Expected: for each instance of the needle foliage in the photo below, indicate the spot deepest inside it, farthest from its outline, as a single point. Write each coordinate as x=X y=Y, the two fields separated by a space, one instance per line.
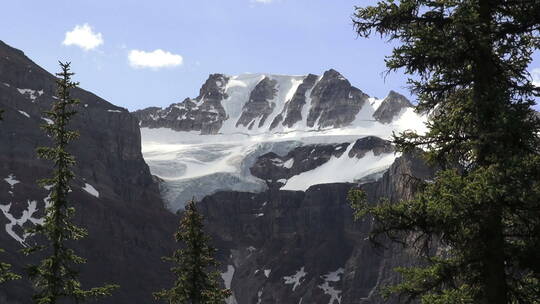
x=476 y=226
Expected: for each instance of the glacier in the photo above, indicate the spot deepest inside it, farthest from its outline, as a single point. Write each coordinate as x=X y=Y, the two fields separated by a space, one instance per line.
x=191 y=164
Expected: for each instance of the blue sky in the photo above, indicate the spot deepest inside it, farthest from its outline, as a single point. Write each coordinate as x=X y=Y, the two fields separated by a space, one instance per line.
x=195 y=38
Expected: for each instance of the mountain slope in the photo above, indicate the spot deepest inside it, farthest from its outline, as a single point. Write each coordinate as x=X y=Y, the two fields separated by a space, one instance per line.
x=208 y=144
x=265 y=103
x=114 y=193
x=303 y=246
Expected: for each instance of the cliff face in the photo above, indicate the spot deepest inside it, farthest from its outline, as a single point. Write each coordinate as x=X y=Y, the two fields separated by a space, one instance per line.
x=255 y=103
x=276 y=246
x=292 y=246
x=114 y=193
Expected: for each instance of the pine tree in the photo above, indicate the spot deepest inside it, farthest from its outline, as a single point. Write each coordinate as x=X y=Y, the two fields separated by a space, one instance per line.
x=55 y=277
x=196 y=283
x=5 y=273
x=476 y=226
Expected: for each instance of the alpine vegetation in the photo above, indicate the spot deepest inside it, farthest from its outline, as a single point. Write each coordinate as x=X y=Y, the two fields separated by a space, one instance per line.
x=5 y=273
x=55 y=278
x=477 y=224
x=196 y=281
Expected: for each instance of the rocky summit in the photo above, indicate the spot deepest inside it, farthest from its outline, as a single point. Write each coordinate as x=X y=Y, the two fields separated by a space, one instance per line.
x=213 y=142
x=269 y=158
x=255 y=103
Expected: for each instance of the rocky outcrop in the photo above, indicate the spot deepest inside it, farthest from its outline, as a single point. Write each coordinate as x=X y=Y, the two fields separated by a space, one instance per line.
x=370 y=143
x=391 y=106
x=270 y=103
x=334 y=102
x=292 y=113
x=292 y=246
x=114 y=193
x=275 y=170
x=204 y=113
x=259 y=105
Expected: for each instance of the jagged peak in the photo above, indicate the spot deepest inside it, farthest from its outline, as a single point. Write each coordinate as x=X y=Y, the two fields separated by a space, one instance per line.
x=394 y=96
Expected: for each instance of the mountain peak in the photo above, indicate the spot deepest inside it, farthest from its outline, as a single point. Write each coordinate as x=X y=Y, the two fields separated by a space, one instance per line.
x=391 y=106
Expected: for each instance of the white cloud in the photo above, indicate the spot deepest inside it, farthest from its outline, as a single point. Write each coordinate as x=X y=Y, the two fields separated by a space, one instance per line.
x=155 y=59
x=263 y=1
x=536 y=76
x=84 y=37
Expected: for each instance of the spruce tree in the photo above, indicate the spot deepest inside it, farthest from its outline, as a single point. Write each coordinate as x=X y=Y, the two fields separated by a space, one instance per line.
x=476 y=226
x=193 y=264
x=5 y=273
x=55 y=278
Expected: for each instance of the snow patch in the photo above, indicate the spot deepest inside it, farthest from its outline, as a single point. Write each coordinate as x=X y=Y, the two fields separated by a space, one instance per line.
x=32 y=94
x=375 y=102
x=24 y=113
x=259 y=297
x=295 y=279
x=27 y=216
x=91 y=190
x=47 y=120
x=11 y=181
x=227 y=277
x=267 y=272
x=289 y=163
x=332 y=277
x=341 y=169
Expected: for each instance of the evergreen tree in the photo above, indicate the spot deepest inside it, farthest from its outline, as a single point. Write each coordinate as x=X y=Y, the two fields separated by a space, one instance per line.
x=5 y=273
x=476 y=226
x=195 y=283
x=55 y=277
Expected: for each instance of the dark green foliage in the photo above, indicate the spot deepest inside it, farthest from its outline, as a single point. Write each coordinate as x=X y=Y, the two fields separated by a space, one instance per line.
x=476 y=226
x=56 y=278
x=196 y=283
x=5 y=273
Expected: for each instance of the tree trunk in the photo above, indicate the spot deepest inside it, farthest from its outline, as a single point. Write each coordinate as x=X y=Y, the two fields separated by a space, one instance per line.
x=488 y=108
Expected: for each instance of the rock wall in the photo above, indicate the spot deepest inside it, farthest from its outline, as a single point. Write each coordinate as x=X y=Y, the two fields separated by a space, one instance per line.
x=114 y=193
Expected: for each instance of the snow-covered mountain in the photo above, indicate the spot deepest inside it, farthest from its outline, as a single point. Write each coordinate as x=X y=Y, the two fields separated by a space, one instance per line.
x=274 y=246
x=210 y=143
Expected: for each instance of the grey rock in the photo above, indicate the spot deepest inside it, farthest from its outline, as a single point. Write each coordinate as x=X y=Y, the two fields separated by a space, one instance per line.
x=329 y=101
x=273 y=168
x=204 y=113
x=293 y=109
x=283 y=231
x=259 y=104
x=127 y=224
x=391 y=106
x=370 y=143
x=334 y=102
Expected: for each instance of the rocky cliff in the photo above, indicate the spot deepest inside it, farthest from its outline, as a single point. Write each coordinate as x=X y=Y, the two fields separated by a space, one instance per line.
x=114 y=192
x=304 y=247
x=255 y=103
x=258 y=137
